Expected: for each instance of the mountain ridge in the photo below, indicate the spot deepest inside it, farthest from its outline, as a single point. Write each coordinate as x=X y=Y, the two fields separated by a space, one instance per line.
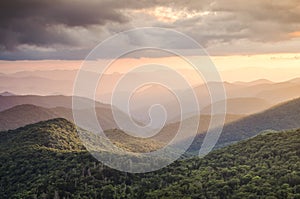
x=280 y=117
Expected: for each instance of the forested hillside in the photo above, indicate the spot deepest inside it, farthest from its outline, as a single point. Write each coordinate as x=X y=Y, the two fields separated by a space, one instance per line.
x=47 y=160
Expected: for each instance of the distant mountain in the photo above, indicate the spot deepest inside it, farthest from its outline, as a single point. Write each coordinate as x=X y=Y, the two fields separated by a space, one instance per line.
x=35 y=85
x=6 y=93
x=280 y=117
x=51 y=82
x=295 y=80
x=277 y=95
x=47 y=160
x=243 y=97
x=255 y=82
x=48 y=74
x=60 y=82
x=248 y=73
x=155 y=94
x=25 y=114
x=158 y=95
x=169 y=131
x=242 y=106
x=252 y=90
x=50 y=101
x=272 y=93
x=22 y=115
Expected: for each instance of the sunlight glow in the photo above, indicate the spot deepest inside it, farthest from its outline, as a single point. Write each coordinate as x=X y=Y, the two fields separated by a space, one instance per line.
x=168 y=14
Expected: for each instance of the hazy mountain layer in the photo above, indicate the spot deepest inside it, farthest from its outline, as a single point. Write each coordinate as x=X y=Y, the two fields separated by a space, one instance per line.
x=282 y=116
x=25 y=114
x=51 y=101
x=242 y=106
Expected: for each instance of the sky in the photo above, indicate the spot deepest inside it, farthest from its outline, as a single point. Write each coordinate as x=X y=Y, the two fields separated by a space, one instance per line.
x=58 y=34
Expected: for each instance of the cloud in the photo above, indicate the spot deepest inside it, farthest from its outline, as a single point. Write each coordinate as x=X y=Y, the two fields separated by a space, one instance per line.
x=69 y=29
x=47 y=22
x=265 y=21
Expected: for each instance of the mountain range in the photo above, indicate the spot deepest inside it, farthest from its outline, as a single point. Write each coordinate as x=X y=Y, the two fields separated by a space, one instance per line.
x=60 y=82
x=237 y=127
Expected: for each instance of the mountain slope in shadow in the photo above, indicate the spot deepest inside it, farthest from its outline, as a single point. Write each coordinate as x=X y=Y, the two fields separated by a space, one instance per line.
x=25 y=114
x=280 y=117
x=242 y=106
x=168 y=132
x=62 y=107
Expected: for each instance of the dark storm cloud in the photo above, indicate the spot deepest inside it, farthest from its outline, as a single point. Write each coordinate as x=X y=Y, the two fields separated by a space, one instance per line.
x=43 y=22
x=34 y=22
x=70 y=28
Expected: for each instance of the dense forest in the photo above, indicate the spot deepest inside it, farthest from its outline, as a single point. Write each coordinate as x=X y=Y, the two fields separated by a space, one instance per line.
x=47 y=160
